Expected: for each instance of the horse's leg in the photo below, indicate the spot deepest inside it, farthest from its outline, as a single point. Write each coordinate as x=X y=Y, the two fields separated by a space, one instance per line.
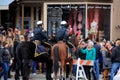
x=71 y=64
x=56 y=60
x=17 y=71
x=64 y=71
x=17 y=68
x=60 y=72
x=40 y=67
x=63 y=68
x=26 y=69
x=49 y=64
x=55 y=73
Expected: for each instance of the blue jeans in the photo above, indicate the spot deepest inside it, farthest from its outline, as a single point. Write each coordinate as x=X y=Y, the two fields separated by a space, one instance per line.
x=74 y=69
x=96 y=69
x=5 y=66
x=115 y=67
x=34 y=67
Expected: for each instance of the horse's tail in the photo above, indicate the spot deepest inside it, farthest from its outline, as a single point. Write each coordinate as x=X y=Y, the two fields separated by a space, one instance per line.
x=56 y=59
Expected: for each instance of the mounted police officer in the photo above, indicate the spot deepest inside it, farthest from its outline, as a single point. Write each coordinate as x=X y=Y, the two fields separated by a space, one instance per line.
x=39 y=33
x=62 y=32
x=43 y=48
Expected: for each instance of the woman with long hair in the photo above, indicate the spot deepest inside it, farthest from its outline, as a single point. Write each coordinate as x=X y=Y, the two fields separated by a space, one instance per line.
x=106 y=61
x=90 y=52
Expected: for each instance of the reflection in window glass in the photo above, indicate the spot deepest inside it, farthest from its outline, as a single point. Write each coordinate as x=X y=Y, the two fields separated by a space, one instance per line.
x=74 y=14
x=97 y=25
x=98 y=20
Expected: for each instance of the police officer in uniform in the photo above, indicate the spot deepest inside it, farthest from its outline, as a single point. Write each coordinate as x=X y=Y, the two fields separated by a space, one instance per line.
x=62 y=32
x=63 y=35
x=39 y=33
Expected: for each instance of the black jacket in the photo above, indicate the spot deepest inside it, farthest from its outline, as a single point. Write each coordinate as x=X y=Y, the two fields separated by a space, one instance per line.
x=98 y=53
x=6 y=55
x=39 y=34
x=62 y=34
x=116 y=54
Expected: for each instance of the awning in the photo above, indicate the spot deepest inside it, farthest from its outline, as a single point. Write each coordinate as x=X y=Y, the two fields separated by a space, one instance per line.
x=4 y=4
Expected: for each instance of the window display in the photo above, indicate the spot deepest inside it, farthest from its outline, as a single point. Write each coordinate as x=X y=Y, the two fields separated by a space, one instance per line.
x=98 y=19
x=73 y=14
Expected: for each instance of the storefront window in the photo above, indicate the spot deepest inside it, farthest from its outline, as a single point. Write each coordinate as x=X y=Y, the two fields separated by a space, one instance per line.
x=98 y=21
x=73 y=14
x=27 y=22
x=100 y=1
x=96 y=26
x=27 y=11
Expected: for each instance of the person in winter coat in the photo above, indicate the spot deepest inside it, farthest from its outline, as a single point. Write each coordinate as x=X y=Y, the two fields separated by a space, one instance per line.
x=10 y=48
x=39 y=33
x=79 y=54
x=106 y=62
x=115 y=57
x=62 y=32
x=6 y=60
x=90 y=52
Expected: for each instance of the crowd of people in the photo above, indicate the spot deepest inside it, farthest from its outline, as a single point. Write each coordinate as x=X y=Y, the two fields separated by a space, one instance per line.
x=105 y=54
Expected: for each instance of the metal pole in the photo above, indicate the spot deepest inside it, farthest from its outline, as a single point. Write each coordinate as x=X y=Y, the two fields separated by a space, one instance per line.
x=22 y=18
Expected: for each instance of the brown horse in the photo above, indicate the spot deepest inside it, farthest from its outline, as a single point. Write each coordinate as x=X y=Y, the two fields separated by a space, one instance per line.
x=60 y=53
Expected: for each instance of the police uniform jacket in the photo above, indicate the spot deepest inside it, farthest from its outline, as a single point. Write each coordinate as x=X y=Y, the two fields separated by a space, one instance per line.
x=62 y=34
x=39 y=34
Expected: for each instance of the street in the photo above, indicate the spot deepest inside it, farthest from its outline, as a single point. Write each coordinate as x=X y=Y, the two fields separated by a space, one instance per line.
x=39 y=77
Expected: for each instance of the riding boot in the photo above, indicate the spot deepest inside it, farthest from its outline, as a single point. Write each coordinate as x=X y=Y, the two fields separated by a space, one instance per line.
x=26 y=69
